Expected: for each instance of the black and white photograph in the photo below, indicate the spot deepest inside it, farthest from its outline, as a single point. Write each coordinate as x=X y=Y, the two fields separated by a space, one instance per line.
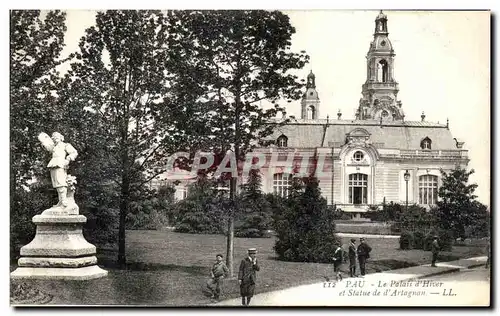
x=250 y=158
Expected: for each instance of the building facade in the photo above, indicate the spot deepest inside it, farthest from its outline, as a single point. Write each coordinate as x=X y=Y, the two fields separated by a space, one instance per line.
x=364 y=160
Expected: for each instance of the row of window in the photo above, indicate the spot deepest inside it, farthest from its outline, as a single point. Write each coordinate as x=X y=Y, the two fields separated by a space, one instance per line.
x=282 y=141
x=358 y=187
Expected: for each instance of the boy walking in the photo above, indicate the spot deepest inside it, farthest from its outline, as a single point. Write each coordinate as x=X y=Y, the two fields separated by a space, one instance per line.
x=218 y=273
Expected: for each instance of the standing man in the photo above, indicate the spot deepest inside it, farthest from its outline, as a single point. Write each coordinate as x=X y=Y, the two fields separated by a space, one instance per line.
x=218 y=273
x=435 y=251
x=338 y=256
x=363 y=254
x=247 y=276
x=352 y=258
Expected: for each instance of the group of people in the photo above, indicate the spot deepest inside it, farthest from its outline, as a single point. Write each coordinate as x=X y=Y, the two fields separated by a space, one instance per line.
x=246 y=276
x=360 y=253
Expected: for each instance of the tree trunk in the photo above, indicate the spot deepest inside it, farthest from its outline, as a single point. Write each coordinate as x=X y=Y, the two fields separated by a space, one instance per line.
x=124 y=199
x=230 y=228
x=121 y=230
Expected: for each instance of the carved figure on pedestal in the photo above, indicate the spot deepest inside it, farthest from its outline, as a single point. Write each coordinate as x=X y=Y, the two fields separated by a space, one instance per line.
x=62 y=154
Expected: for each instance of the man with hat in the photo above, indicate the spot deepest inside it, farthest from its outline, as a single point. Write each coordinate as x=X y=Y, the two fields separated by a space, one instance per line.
x=363 y=254
x=247 y=276
x=338 y=257
x=435 y=250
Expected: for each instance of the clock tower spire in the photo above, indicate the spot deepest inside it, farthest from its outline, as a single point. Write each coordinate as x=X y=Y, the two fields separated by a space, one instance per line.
x=380 y=90
x=310 y=99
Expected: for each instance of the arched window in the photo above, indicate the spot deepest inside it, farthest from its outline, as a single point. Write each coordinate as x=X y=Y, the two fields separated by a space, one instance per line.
x=311 y=113
x=427 y=189
x=383 y=71
x=282 y=141
x=358 y=188
x=282 y=183
x=426 y=143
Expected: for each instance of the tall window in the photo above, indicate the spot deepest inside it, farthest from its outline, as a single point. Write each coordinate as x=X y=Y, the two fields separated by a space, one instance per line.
x=383 y=71
x=427 y=189
x=311 y=113
x=282 y=183
x=282 y=141
x=358 y=188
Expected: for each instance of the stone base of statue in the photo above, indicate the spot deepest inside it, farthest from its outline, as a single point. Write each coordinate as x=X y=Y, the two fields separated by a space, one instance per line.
x=59 y=249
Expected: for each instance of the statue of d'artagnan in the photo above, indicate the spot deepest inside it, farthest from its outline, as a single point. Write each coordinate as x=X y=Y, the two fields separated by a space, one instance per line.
x=62 y=154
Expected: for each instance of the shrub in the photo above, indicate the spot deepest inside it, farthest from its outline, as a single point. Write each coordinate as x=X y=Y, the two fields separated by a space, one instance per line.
x=390 y=212
x=305 y=227
x=418 y=239
x=338 y=214
x=445 y=240
x=201 y=212
x=254 y=209
x=254 y=226
x=406 y=240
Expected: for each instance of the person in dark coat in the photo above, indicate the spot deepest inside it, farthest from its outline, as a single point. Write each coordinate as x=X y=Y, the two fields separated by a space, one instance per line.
x=247 y=276
x=338 y=257
x=435 y=251
x=363 y=254
x=352 y=258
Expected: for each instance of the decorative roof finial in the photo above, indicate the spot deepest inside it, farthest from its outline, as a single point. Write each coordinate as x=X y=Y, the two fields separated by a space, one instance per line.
x=423 y=116
x=339 y=114
x=447 y=123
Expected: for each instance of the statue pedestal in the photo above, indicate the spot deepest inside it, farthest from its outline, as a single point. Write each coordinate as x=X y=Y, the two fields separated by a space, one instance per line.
x=59 y=250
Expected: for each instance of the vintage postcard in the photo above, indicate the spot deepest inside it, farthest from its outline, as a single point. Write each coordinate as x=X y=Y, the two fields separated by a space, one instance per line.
x=250 y=158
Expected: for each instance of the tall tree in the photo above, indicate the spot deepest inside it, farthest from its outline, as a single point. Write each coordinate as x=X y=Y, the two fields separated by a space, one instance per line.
x=36 y=42
x=122 y=75
x=457 y=207
x=233 y=60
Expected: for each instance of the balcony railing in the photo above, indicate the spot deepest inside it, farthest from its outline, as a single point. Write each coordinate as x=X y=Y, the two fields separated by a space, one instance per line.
x=433 y=153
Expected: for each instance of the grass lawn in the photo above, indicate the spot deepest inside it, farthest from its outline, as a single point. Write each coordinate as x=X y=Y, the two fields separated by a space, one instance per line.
x=170 y=269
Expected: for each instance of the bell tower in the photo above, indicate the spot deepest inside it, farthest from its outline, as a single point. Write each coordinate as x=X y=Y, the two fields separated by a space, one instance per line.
x=380 y=90
x=310 y=99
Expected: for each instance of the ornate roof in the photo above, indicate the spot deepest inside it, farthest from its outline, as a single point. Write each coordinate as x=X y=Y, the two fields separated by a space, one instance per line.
x=394 y=135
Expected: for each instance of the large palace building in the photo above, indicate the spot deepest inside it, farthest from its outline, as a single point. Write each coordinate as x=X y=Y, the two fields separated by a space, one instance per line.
x=366 y=158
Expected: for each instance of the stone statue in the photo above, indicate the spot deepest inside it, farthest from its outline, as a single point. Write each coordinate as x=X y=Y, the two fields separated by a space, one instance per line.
x=59 y=250
x=62 y=154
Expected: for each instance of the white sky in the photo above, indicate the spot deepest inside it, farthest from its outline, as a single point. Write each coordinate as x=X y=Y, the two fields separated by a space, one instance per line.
x=442 y=65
